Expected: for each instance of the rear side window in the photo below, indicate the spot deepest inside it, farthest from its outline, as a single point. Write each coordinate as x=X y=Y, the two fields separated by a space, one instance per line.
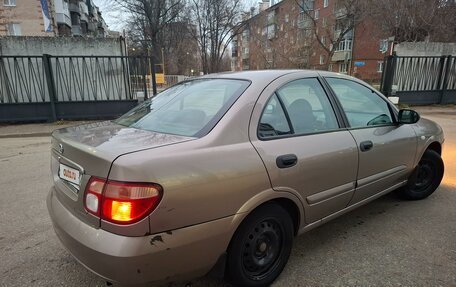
x=299 y=107
x=273 y=121
x=362 y=106
x=189 y=109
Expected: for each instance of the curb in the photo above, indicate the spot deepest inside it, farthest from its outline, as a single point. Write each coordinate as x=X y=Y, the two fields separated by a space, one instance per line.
x=29 y=135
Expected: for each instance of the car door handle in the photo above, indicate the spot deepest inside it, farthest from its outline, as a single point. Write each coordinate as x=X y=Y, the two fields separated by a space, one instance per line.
x=286 y=161
x=366 y=146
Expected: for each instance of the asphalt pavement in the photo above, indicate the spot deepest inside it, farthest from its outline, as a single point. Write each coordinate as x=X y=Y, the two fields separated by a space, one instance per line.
x=388 y=242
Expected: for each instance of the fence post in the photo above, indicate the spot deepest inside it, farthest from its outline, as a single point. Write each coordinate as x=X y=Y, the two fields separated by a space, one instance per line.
x=144 y=64
x=154 y=80
x=388 y=78
x=50 y=84
x=444 y=78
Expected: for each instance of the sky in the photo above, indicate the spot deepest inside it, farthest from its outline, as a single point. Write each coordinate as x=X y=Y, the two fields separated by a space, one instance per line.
x=110 y=16
x=114 y=19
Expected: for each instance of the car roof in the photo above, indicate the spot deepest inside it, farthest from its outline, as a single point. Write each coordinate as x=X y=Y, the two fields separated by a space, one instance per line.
x=255 y=75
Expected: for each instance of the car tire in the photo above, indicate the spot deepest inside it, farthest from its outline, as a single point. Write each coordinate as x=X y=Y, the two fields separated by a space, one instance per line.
x=425 y=178
x=260 y=248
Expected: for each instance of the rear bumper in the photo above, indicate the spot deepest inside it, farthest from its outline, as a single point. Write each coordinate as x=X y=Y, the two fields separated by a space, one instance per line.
x=175 y=255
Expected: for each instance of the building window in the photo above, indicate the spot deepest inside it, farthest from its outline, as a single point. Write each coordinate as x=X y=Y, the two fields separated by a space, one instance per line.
x=343 y=68
x=380 y=66
x=271 y=17
x=344 y=45
x=317 y=14
x=271 y=31
x=330 y=67
x=287 y=18
x=325 y=3
x=9 y=2
x=383 y=46
x=245 y=35
x=14 y=29
x=324 y=22
x=323 y=40
x=322 y=59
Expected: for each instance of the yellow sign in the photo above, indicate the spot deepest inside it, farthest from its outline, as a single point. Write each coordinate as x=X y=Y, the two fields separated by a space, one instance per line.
x=160 y=74
x=160 y=78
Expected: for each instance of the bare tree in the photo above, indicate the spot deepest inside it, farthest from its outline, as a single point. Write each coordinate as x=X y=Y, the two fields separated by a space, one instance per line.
x=217 y=23
x=276 y=53
x=416 y=20
x=334 y=30
x=148 y=19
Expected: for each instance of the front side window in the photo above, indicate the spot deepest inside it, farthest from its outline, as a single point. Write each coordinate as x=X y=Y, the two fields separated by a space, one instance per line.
x=186 y=109
x=299 y=107
x=362 y=106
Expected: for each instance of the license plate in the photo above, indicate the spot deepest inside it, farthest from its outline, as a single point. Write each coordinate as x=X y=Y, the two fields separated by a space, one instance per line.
x=70 y=174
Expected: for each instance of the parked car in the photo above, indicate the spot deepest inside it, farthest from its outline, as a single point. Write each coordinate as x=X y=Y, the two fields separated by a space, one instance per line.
x=218 y=174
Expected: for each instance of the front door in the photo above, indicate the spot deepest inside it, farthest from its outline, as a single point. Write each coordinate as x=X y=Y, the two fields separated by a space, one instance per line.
x=296 y=132
x=386 y=149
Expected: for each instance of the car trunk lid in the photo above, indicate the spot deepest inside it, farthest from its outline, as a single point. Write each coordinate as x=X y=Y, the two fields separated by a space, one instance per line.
x=89 y=150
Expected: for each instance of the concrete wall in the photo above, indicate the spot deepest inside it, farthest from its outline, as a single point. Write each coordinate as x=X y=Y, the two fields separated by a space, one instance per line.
x=61 y=46
x=425 y=49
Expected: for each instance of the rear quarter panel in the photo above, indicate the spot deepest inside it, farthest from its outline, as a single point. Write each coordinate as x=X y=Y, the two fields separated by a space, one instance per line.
x=205 y=179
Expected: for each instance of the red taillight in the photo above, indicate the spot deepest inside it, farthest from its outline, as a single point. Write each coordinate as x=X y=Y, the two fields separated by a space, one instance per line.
x=121 y=202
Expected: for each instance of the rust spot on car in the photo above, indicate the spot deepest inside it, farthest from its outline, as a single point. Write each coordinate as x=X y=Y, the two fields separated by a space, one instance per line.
x=171 y=209
x=169 y=232
x=139 y=271
x=156 y=238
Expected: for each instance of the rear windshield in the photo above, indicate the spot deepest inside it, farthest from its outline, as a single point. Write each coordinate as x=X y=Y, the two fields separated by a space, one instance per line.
x=189 y=109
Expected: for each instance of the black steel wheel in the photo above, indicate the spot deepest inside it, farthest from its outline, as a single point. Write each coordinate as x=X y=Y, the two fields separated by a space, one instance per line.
x=426 y=177
x=260 y=247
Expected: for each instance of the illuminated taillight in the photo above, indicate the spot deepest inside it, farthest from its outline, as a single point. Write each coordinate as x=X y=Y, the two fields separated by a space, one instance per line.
x=125 y=202
x=122 y=202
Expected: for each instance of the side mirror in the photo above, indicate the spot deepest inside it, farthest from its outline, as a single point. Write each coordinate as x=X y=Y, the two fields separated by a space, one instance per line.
x=408 y=117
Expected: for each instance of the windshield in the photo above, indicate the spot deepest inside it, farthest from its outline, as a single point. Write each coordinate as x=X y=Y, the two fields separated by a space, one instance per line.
x=189 y=109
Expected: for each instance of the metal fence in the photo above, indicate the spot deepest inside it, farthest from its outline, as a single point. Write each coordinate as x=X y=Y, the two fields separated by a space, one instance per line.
x=72 y=87
x=420 y=80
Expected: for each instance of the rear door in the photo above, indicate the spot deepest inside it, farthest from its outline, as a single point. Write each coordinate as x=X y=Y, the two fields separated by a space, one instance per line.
x=306 y=151
x=386 y=149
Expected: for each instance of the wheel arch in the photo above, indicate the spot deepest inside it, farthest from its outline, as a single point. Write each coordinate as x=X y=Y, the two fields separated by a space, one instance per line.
x=435 y=146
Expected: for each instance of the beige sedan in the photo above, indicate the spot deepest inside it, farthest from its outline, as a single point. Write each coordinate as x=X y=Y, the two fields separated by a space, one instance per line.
x=219 y=174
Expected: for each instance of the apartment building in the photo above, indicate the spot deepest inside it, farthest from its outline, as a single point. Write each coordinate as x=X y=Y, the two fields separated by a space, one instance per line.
x=51 y=18
x=31 y=17
x=309 y=34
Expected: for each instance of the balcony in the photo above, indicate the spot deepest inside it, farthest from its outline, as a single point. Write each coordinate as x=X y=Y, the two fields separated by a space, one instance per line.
x=245 y=55
x=340 y=12
x=339 y=56
x=61 y=18
x=307 y=5
x=84 y=17
x=304 y=22
x=74 y=7
x=92 y=26
x=76 y=30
